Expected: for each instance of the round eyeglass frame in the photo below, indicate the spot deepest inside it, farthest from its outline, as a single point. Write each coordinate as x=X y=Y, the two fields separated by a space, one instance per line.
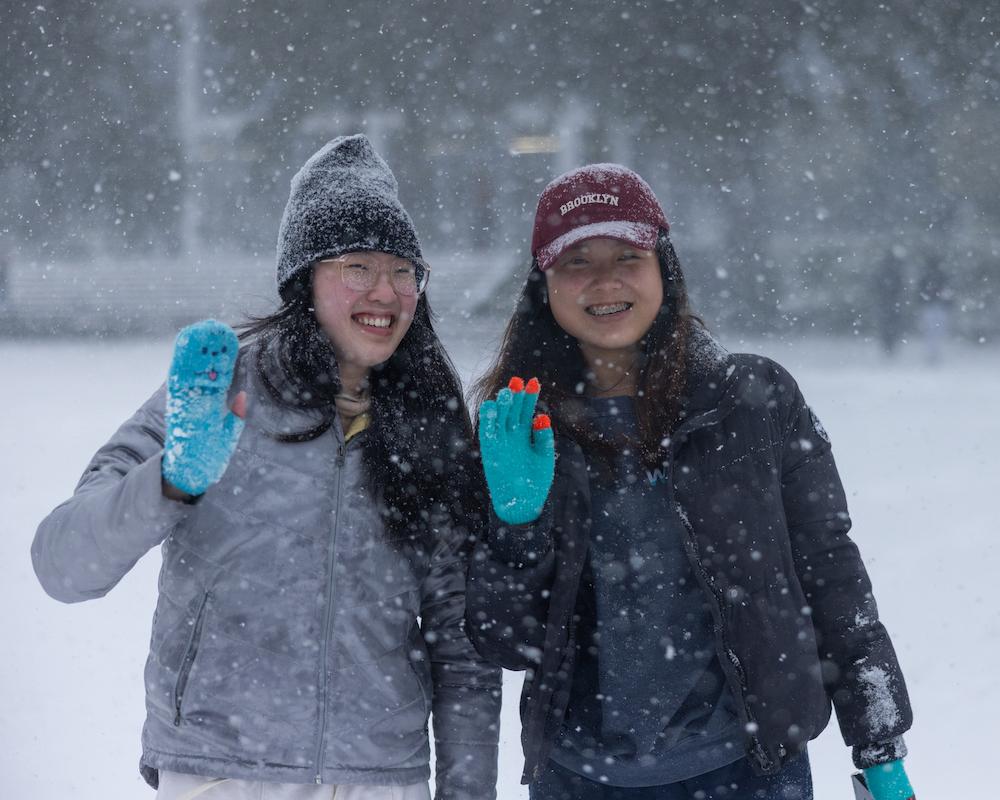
x=417 y=262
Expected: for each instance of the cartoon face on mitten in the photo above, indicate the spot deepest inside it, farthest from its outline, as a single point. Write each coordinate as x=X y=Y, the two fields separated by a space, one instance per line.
x=205 y=355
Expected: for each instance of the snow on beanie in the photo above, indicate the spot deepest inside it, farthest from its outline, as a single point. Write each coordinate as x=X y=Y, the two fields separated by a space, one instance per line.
x=344 y=199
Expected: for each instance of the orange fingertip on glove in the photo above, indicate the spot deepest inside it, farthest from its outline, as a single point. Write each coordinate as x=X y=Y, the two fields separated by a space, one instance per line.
x=541 y=422
x=517 y=385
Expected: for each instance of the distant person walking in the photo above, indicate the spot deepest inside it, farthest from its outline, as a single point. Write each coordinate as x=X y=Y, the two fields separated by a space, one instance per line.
x=936 y=310
x=888 y=297
x=5 y=260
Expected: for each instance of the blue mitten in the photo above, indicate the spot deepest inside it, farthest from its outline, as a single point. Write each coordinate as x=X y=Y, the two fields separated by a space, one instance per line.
x=889 y=782
x=518 y=451
x=201 y=430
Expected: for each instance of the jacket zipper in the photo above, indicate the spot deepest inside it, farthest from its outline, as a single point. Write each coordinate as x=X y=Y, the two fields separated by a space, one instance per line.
x=568 y=655
x=189 y=657
x=324 y=650
x=732 y=666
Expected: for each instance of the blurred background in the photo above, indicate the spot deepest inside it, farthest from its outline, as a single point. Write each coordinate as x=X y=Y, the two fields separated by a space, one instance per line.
x=826 y=167
x=829 y=170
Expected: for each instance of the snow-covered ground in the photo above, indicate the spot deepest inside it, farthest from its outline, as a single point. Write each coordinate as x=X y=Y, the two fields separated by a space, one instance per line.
x=917 y=448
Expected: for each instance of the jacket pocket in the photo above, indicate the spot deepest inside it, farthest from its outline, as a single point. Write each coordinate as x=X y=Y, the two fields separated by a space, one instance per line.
x=190 y=654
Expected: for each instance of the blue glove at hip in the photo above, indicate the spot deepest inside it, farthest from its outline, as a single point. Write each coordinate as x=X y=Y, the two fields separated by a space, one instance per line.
x=518 y=451
x=201 y=431
x=889 y=781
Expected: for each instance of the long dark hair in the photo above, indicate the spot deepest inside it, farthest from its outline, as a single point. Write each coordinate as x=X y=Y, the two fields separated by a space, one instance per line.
x=418 y=450
x=533 y=344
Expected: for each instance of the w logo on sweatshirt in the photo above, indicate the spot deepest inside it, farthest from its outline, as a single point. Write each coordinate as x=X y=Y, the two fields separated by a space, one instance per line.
x=656 y=476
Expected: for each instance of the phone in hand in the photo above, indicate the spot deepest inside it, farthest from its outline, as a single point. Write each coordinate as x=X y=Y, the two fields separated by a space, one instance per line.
x=860 y=787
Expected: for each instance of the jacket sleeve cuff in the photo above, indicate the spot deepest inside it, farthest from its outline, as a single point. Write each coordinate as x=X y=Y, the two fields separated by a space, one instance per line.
x=871 y=755
x=521 y=545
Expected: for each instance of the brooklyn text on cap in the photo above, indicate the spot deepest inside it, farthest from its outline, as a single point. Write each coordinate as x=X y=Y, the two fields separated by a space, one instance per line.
x=596 y=201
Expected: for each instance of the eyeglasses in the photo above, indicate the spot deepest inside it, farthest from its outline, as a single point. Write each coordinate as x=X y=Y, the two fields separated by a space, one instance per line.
x=409 y=279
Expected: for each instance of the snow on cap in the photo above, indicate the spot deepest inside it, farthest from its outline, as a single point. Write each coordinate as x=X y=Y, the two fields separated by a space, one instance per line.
x=598 y=201
x=343 y=200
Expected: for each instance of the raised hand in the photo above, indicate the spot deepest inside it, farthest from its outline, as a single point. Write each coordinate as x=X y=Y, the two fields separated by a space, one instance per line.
x=201 y=430
x=518 y=451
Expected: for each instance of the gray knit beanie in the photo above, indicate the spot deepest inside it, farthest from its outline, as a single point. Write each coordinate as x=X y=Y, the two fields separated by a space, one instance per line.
x=344 y=199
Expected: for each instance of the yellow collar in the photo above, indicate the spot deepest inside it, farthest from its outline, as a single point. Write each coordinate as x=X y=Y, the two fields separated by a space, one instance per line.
x=358 y=424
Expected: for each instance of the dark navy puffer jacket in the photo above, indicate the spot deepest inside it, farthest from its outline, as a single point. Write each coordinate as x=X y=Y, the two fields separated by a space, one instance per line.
x=753 y=477
x=291 y=642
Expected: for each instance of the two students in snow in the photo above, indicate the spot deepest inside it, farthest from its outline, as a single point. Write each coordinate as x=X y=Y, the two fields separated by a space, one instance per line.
x=665 y=550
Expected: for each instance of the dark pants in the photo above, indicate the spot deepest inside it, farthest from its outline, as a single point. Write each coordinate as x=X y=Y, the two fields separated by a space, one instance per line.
x=735 y=782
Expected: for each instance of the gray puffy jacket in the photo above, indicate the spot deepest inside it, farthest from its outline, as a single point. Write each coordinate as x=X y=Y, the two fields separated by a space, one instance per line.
x=290 y=642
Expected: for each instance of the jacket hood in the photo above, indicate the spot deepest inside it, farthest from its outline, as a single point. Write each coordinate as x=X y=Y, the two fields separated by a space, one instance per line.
x=710 y=368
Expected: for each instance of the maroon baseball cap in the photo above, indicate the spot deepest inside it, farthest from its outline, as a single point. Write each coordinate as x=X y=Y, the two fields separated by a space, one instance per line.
x=598 y=201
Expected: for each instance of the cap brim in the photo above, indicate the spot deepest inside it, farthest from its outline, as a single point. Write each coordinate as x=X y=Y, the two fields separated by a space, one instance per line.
x=637 y=234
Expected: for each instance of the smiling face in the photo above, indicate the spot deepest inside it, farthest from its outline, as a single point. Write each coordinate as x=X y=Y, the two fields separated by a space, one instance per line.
x=364 y=327
x=606 y=294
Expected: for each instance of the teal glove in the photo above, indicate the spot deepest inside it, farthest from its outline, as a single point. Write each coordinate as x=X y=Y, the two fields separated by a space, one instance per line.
x=889 y=781
x=518 y=451
x=201 y=431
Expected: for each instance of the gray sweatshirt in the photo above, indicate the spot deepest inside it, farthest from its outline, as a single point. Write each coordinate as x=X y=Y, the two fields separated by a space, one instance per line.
x=648 y=704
